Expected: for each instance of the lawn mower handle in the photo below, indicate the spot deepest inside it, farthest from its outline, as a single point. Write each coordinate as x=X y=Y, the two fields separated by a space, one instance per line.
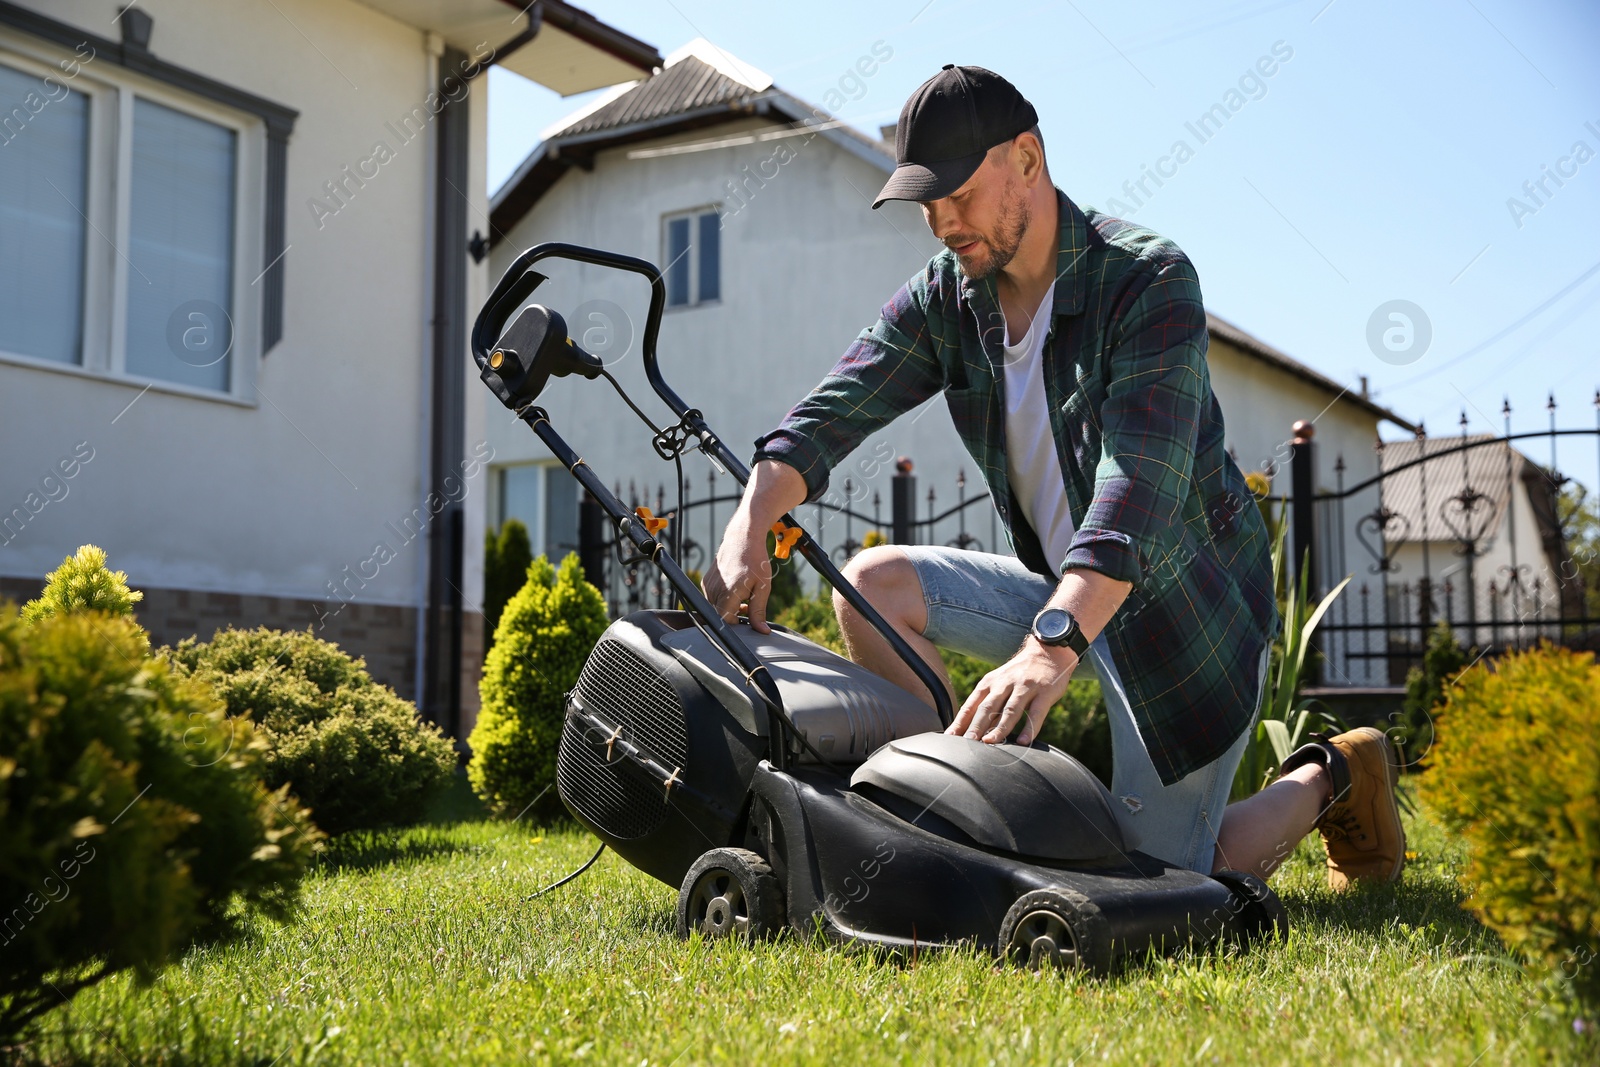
x=515 y=286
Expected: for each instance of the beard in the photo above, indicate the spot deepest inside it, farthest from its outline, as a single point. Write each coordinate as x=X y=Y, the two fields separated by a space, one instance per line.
x=1012 y=222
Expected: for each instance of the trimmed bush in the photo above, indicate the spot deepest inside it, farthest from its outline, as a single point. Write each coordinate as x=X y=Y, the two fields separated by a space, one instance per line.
x=546 y=632
x=83 y=582
x=135 y=817
x=350 y=749
x=506 y=558
x=1516 y=771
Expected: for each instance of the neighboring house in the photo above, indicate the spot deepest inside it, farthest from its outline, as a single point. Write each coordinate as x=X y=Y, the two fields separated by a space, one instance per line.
x=1480 y=524
x=761 y=205
x=235 y=290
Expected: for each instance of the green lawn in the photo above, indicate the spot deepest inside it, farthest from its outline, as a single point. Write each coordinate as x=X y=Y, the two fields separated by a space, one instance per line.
x=418 y=947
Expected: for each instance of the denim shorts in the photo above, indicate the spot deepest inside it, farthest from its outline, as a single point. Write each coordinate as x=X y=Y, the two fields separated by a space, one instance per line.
x=983 y=605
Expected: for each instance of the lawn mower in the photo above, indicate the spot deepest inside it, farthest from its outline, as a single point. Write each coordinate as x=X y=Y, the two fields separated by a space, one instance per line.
x=778 y=785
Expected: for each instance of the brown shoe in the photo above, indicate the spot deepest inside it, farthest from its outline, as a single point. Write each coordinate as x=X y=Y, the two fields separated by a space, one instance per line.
x=1361 y=827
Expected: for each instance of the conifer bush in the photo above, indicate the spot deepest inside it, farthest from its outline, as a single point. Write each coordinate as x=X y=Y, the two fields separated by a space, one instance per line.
x=1516 y=771
x=349 y=748
x=506 y=557
x=135 y=819
x=546 y=632
x=83 y=582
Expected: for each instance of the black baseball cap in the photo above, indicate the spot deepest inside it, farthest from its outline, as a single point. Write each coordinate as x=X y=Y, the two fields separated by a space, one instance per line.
x=947 y=126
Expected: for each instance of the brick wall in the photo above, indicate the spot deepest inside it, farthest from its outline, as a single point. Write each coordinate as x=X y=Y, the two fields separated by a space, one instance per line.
x=383 y=635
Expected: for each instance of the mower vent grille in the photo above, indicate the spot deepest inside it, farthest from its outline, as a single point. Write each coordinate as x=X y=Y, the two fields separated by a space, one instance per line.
x=620 y=686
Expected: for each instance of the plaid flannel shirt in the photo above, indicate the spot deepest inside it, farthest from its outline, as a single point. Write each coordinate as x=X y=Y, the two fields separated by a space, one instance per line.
x=1155 y=498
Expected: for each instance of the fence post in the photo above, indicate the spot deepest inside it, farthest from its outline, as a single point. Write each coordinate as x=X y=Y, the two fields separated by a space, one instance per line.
x=1302 y=484
x=903 y=503
x=591 y=541
x=1302 y=480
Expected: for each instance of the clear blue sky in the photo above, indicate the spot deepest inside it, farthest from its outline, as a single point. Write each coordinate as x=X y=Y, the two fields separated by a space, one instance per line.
x=1374 y=164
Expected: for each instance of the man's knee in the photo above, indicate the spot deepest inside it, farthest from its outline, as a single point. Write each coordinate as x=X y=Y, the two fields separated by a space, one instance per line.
x=887 y=579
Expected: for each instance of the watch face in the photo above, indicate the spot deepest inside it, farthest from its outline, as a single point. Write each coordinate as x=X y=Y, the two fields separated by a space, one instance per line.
x=1053 y=624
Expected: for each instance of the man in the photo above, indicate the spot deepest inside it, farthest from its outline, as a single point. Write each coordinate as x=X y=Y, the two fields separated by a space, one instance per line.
x=1070 y=348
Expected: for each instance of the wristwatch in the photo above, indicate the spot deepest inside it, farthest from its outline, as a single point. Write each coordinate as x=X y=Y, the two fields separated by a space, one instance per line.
x=1057 y=628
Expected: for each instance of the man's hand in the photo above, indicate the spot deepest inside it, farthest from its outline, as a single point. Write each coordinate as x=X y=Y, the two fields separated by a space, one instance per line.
x=1026 y=685
x=741 y=573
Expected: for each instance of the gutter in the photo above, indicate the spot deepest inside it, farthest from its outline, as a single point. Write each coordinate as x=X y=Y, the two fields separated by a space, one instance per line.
x=590 y=30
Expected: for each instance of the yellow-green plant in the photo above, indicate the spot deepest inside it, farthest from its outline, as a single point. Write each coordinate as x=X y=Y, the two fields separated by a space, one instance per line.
x=545 y=634
x=83 y=582
x=1515 y=769
x=135 y=820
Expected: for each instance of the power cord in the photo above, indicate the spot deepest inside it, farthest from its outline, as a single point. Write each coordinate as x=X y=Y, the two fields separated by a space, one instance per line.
x=568 y=878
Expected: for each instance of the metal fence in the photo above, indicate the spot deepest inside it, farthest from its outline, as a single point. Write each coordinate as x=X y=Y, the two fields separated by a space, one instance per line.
x=1447 y=540
x=840 y=524
x=1468 y=530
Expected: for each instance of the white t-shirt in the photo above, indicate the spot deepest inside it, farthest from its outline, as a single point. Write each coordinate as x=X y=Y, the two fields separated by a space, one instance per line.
x=1031 y=460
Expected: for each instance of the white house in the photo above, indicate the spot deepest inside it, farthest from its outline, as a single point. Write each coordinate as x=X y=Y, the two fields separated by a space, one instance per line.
x=235 y=289
x=760 y=204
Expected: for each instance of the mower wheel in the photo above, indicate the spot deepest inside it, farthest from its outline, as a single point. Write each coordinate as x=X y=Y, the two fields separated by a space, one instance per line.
x=730 y=892
x=1057 y=928
x=1258 y=908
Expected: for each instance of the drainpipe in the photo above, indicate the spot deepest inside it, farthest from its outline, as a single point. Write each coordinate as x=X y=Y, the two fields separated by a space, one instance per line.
x=441 y=690
x=434 y=47
x=439 y=628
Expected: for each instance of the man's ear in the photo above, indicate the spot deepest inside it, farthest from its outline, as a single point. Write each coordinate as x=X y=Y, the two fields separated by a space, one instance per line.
x=1029 y=155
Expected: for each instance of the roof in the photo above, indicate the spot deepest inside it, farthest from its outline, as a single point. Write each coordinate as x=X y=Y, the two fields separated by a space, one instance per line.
x=1490 y=467
x=700 y=87
x=687 y=86
x=1484 y=468
x=1223 y=330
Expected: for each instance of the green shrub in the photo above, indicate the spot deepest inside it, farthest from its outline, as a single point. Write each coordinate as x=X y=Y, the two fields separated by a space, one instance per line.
x=812 y=617
x=83 y=582
x=350 y=749
x=1076 y=724
x=546 y=632
x=135 y=817
x=1516 y=771
x=1425 y=690
x=506 y=557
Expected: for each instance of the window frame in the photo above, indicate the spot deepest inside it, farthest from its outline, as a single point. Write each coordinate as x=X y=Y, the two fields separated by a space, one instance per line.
x=693 y=215
x=112 y=84
x=496 y=502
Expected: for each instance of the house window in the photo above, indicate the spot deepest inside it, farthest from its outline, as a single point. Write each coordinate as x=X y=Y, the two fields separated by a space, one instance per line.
x=44 y=173
x=691 y=248
x=131 y=220
x=180 y=247
x=545 y=498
